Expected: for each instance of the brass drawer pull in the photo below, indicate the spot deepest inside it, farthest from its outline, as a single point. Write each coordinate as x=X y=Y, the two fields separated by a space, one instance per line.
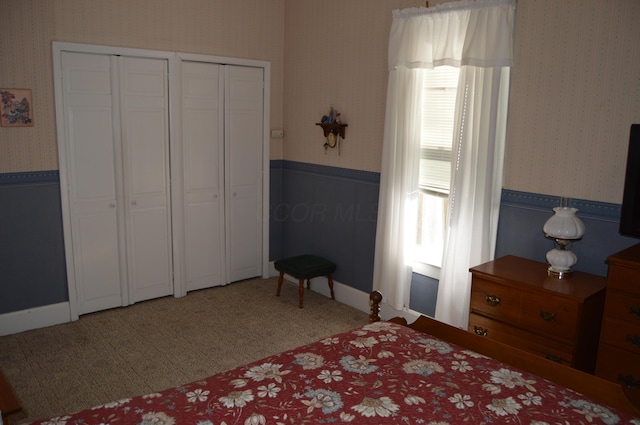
x=548 y=316
x=634 y=340
x=635 y=312
x=628 y=381
x=492 y=300
x=479 y=331
x=553 y=358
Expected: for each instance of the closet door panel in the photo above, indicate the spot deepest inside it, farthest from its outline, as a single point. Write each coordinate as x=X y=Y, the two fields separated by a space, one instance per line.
x=203 y=150
x=149 y=262
x=146 y=145
x=243 y=140
x=244 y=256
x=91 y=157
x=97 y=265
x=145 y=129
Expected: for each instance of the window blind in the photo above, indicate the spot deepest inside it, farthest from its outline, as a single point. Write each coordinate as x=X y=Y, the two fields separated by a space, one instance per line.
x=438 y=109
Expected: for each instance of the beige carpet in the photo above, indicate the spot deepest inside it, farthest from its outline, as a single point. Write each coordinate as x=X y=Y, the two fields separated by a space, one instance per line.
x=162 y=343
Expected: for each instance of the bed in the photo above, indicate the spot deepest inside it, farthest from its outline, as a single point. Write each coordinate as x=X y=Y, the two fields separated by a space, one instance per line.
x=384 y=372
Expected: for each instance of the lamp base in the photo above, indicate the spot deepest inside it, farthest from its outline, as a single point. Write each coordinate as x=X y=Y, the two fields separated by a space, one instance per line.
x=561 y=262
x=559 y=274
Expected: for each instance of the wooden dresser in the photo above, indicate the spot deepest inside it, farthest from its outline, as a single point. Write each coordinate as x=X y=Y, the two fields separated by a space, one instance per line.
x=513 y=300
x=619 y=352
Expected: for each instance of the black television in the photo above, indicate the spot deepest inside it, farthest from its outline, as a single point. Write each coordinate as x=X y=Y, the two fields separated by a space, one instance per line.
x=630 y=209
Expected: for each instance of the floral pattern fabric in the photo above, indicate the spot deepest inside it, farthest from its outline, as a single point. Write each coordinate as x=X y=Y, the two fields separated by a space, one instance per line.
x=381 y=373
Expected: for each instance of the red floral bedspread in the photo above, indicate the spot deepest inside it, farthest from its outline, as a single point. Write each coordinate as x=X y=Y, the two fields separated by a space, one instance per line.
x=377 y=374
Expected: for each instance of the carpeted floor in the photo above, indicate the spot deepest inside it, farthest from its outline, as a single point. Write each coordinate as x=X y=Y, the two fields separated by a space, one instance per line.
x=162 y=343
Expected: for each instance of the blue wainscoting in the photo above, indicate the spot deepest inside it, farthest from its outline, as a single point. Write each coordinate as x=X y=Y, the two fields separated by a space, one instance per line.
x=522 y=216
x=314 y=209
x=32 y=261
x=330 y=212
x=423 y=295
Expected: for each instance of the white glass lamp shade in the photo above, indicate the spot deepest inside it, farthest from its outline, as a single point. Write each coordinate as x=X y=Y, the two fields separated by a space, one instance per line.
x=563 y=227
x=564 y=224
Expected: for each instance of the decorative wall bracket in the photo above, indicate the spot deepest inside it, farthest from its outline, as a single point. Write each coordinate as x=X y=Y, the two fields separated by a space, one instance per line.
x=333 y=132
x=335 y=128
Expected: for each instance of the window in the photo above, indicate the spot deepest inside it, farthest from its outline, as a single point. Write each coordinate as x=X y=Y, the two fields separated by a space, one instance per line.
x=478 y=38
x=438 y=109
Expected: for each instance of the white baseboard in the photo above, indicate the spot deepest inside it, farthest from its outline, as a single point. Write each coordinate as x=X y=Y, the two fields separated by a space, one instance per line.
x=354 y=298
x=55 y=314
x=34 y=318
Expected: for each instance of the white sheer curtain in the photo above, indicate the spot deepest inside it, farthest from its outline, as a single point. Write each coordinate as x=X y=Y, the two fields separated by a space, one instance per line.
x=478 y=37
x=398 y=186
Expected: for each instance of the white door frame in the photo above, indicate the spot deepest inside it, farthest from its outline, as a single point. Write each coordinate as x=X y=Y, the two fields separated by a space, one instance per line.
x=175 y=152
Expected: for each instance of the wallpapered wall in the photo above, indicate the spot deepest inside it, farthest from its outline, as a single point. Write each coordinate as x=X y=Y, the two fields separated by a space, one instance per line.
x=247 y=29
x=575 y=86
x=575 y=92
x=575 y=89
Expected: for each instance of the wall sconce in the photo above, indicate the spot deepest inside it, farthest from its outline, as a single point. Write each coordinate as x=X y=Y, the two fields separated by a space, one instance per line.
x=563 y=228
x=333 y=129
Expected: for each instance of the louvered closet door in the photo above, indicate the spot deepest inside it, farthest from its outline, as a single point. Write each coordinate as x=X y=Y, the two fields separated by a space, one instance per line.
x=203 y=150
x=91 y=151
x=145 y=141
x=116 y=142
x=244 y=111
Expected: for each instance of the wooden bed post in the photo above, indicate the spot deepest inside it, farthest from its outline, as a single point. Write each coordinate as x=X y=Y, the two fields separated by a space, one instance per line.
x=375 y=298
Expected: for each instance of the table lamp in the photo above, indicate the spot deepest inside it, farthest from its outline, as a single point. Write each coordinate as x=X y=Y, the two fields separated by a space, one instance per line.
x=563 y=228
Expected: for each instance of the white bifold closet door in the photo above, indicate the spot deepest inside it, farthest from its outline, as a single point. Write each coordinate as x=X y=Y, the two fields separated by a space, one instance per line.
x=203 y=151
x=244 y=91
x=116 y=126
x=222 y=121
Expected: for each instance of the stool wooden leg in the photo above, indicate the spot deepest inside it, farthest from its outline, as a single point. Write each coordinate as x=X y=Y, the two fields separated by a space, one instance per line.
x=330 y=280
x=308 y=283
x=301 y=291
x=280 y=280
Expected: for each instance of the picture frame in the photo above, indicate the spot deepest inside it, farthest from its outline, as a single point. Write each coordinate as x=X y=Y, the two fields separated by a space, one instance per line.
x=16 y=109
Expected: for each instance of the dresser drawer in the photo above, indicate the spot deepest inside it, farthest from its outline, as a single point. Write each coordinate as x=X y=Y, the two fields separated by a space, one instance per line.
x=618 y=365
x=623 y=307
x=495 y=300
x=626 y=279
x=621 y=334
x=552 y=350
x=549 y=315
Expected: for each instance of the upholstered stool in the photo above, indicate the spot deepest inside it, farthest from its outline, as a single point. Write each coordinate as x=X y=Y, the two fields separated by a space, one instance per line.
x=305 y=267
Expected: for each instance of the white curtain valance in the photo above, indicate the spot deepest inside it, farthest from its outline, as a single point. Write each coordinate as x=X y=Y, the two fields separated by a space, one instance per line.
x=477 y=33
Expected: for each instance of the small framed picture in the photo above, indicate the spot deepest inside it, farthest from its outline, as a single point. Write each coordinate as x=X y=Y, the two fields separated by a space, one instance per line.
x=16 y=108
